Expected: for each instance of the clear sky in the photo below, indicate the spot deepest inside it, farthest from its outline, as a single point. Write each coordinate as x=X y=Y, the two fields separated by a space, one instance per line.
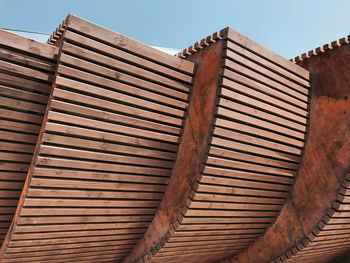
x=288 y=27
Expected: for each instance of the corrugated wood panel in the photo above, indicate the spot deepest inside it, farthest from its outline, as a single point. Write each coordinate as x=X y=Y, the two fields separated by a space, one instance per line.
x=26 y=72
x=107 y=148
x=257 y=138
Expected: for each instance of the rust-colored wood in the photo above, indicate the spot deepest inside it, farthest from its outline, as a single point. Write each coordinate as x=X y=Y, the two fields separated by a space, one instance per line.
x=246 y=146
x=111 y=180
x=192 y=149
x=300 y=232
x=106 y=147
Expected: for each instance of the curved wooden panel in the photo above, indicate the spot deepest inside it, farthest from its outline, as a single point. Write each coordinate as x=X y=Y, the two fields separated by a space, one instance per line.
x=26 y=71
x=236 y=175
x=330 y=238
x=111 y=180
x=312 y=226
x=106 y=150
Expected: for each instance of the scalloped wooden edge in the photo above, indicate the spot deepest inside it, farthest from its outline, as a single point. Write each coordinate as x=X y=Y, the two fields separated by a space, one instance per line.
x=202 y=43
x=319 y=226
x=57 y=34
x=319 y=50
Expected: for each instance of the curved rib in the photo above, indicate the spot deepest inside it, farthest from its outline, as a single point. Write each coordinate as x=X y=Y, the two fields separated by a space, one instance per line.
x=325 y=164
x=231 y=180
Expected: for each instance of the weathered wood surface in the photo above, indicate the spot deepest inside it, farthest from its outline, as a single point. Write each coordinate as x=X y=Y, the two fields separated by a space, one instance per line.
x=26 y=72
x=106 y=150
x=111 y=180
x=239 y=169
x=313 y=225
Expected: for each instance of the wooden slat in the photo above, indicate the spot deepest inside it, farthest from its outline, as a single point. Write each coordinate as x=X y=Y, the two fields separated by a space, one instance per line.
x=77 y=219
x=84 y=211
x=15 y=176
x=108 y=137
x=115 y=95
x=27 y=45
x=21 y=70
x=229 y=206
x=26 y=60
x=110 y=116
x=119 y=54
x=20 y=94
x=113 y=106
x=135 y=84
x=19 y=137
x=65 y=246
x=243 y=183
x=24 y=83
x=253 y=149
x=261 y=90
x=246 y=175
x=236 y=116
x=18 y=126
x=37 y=202
x=98 y=176
x=80 y=184
x=100 y=166
x=268 y=64
x=110 y=127
x=18 y=167
x=20 y=104
x=120 y=41
x=249 y=139
x=100 y=59
x=236 y=198
x=247 y=166
x=224 y=220
x=238 y=38
x=252 y=111
x=205 y=188
x=259 y=100
x=106 y=147
x=204 y=212
x=267 y=72
x=106 y=157
x=220 y=226
x=218 y=152
x=26 y=71
x=16 y=147
x=294 y=97
x=266 y=134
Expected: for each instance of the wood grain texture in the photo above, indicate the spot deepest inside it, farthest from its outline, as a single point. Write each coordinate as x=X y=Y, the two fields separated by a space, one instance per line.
x=107 y=147
x=244 y=173
x=312 y=226
x=26 y=72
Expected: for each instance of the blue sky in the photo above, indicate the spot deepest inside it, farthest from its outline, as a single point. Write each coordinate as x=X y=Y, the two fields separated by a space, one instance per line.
x=289 y=28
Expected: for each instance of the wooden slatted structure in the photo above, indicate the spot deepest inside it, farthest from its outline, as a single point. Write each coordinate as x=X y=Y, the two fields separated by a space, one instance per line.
x=250 y=155
x=26 y=72
x=106 y=150
x=141 y=158
x=313 y=224
x=330 y=238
